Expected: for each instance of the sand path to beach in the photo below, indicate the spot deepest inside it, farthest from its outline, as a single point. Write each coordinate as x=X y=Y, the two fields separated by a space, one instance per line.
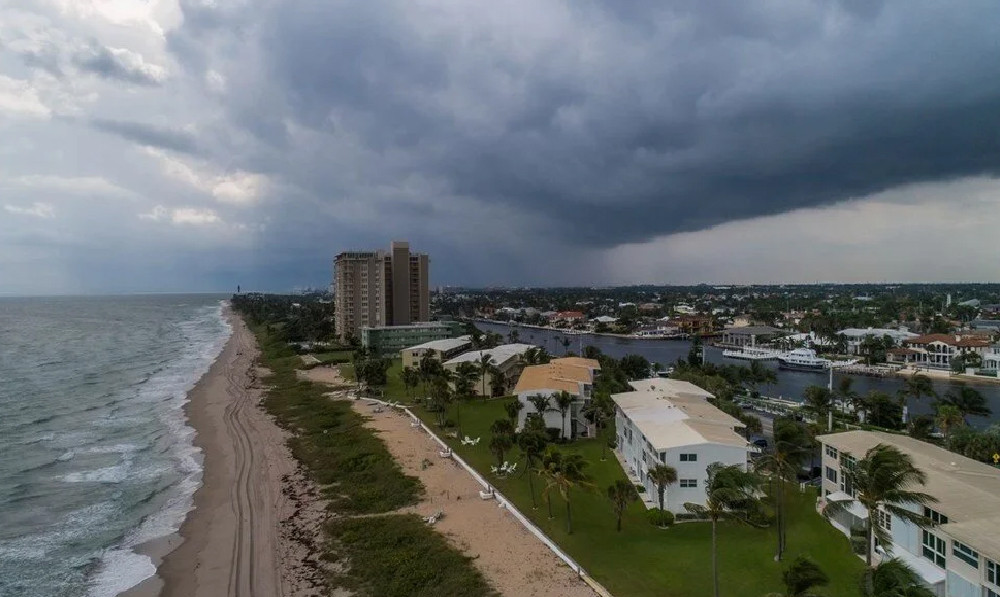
x=513 y=560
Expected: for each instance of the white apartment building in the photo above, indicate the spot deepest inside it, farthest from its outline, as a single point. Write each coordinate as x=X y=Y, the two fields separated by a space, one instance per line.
x=959 y=554
x=667 y=421
x=571 y=374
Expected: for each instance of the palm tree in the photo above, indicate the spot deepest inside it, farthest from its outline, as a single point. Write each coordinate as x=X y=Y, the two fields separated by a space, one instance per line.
x=564 y=400
x=894 y=578
x=498 y=382
x=485 y=363
x=968 y=401
x=551 y=461
x=568 y=475
x=503 y=438
x=948 y=418
x=598 y=410
x=730 y=492
x=662 y=475
x=761 y=374
x=513 y=407
x=621 y=493
x=819 y=401
x=411 y=378
x=882 y=481
x=541 y=403
x=918 y=386
x=428 y=368
x=846 y=393
x=440 y=396
x=792 y=446
x=532 y=441
x=801 y=577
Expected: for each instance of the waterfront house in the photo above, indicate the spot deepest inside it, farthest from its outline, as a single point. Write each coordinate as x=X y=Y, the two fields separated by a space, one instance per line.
x=935 y=351
x=441 y=350
x=668 y=421
x=574 y=375
x=506 y=359
x=751 y=335
x=856 y=336
x=693 y=324
x=569 y=316
x=958 y=552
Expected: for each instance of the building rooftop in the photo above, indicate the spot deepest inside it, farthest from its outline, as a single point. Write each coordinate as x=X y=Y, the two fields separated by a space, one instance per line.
x=862 y=332
x=592 y=364
x=417 y=325
x=441 y=345
x=951 y=340
x=673 y=413
x=501 y=354
x=968 y=490
x=554 y=376
x=753 y=330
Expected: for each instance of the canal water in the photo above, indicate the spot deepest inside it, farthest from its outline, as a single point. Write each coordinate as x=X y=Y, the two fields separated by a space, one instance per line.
x=791 y=384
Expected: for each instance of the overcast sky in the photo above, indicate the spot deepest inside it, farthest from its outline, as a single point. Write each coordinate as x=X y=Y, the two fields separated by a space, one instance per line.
x=170 y=145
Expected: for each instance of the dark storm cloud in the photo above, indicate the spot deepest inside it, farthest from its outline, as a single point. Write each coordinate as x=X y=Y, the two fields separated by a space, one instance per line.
x=623 y=120
x=101 y=61
x=148 y=134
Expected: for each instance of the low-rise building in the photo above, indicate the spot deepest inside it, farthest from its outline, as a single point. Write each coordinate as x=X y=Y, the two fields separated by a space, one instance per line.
x=668 y=421
x=569 y=316
x=507 y=365
x=750 y=335
x=574 y=375
x=935 y=351
x=958 y=552
x=693 y=324
x=390 y=340
x=441 y=350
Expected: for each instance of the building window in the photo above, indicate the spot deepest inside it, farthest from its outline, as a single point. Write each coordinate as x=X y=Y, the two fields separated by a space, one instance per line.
x=689 y=458
x=831 y=452
x=934 y=516
x=847 y=462
x=689 y=483
x=992 y=572
x=831 y=475
x=884 y=519
x=663 y=456
x=965 y=553
x=988 y=592
x=934 y=548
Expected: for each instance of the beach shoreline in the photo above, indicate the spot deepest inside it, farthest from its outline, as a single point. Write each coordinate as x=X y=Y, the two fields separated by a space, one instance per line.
x=253 y=501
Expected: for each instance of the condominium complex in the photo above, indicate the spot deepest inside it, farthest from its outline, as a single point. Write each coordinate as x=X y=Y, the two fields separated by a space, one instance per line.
x=668 y=421
x=957 y=553
x=380 y=288
x=574 y=375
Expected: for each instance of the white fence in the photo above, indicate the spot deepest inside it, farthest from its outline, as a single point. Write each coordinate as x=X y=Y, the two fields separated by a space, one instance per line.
x=504 y=502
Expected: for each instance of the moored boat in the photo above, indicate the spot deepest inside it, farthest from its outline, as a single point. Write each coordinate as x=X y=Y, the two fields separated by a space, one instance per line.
x=803 y=359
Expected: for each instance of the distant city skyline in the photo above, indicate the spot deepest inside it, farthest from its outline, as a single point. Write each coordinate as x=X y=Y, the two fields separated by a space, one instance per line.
x=172 y=145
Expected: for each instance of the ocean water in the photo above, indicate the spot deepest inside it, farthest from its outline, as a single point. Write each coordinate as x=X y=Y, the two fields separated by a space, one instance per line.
x=95 y=454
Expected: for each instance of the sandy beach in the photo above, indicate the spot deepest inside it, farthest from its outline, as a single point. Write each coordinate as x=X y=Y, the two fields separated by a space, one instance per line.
x=254 y=515
x=513 y=560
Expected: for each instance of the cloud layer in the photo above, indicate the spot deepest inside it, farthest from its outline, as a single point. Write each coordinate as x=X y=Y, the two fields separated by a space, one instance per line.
x=521 y=142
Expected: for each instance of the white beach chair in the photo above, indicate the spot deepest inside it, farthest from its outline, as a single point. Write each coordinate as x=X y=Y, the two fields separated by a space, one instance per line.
x=487 y=495
x=414 y=424
x=445 y=453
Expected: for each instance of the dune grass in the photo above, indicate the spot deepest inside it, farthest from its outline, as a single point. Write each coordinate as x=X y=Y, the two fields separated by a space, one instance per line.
x=380 y=555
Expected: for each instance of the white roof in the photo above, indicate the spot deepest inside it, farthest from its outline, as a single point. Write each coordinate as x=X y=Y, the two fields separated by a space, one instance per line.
x=501 y=354
x=605 y=319
x=441 y=345
x=861 y=333
x=673 y=413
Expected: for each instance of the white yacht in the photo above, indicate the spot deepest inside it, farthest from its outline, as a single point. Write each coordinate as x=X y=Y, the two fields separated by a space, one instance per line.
x=802 y=359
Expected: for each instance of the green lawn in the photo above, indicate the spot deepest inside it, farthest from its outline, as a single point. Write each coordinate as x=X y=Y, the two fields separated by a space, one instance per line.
x=644 y=560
